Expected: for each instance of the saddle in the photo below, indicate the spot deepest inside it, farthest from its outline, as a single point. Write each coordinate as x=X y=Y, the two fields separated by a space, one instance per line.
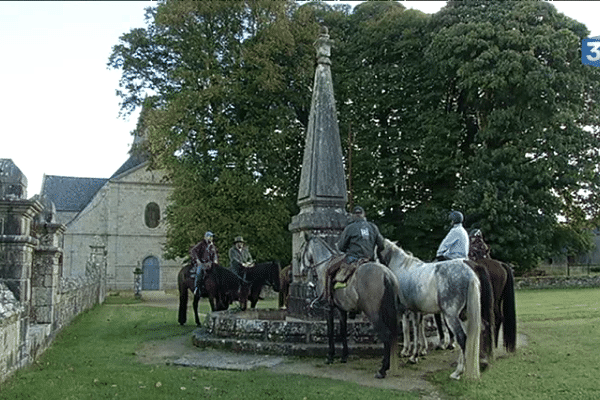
x=340 y=271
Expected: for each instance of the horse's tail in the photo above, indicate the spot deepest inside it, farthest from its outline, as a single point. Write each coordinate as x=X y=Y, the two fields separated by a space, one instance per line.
x=387 y=323
x=509 y=324
x=487 y=310
x=183 y=297
x=473 y=329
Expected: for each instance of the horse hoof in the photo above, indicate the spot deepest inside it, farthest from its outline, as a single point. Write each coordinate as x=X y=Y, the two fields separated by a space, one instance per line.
x=329 y=361
x=455 y=376
x=380 y=375
x=344 y=360
x=483 y=364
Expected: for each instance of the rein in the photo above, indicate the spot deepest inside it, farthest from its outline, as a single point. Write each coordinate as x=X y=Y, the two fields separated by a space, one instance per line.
x=323 y=243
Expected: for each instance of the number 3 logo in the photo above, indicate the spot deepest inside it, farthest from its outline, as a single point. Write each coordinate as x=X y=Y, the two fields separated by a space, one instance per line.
x=595 y=49
x=590 y=51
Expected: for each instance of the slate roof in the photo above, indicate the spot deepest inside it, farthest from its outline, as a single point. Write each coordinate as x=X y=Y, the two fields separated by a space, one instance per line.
x=70 y=193
x=133 y=161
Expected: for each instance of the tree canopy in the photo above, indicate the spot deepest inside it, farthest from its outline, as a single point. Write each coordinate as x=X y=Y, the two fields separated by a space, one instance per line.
x=483 y=107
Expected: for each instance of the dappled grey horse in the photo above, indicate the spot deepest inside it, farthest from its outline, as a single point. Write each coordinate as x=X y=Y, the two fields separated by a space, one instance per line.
x=372 y=289
x=446 y=287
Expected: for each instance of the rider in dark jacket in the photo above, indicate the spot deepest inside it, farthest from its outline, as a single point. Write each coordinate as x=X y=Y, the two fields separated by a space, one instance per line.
x=203 y=255
x=358 y=242
x=359 y=238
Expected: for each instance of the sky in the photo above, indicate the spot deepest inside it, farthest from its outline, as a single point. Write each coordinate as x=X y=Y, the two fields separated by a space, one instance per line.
x=59 y=113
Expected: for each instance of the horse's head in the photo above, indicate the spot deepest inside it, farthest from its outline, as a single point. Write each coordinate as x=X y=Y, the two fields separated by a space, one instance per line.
x=385 y=254
x=393 y=256
x=313 y=257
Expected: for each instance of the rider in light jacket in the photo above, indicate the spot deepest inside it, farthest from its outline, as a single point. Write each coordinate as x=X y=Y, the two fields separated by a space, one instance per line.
x=456 y=243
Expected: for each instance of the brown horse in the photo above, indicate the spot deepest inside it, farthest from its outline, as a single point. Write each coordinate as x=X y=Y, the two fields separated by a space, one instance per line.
x=220 y=285
x=503 y=285
x=372 y=289
x=285 y=279
x=501 y=279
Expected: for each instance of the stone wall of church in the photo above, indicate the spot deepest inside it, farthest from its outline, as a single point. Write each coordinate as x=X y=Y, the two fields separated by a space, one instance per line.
x=131 y=229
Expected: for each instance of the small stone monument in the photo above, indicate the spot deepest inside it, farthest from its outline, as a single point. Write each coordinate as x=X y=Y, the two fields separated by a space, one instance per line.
x=137 y=282
x=322 y=193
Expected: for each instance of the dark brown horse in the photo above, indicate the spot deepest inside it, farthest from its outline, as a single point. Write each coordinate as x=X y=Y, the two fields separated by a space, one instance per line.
x=220 y=285
x=261 y=274
x=501 y=280
x=185 y=282
x=285 y=280
x=503 y=285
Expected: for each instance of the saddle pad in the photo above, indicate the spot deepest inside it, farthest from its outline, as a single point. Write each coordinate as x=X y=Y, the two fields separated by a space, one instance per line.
x=345 y=272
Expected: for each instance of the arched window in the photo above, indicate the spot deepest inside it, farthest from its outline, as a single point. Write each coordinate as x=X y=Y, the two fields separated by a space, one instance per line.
x=152 y=215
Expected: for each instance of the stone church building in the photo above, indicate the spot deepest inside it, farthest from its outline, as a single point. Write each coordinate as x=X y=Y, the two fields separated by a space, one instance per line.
x=126 y=213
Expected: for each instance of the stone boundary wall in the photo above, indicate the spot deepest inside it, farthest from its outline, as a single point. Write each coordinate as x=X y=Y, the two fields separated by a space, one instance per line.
x=557 y=282
x=22 y=340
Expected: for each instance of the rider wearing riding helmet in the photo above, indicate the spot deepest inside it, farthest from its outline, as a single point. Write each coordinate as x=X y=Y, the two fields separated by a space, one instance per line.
x=456 y=243
x=203 y=255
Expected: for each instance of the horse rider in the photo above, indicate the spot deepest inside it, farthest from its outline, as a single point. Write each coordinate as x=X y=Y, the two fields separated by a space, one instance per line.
x=357 y=242
x=240 y=258
x=478 y=248
x=456 y=243
x=203 y=255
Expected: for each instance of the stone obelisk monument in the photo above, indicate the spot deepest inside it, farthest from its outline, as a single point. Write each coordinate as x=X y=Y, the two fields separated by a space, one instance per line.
x=322 y=194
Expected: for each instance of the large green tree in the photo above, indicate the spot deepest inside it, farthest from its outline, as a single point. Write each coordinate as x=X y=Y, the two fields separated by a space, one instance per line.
x=484 y=106
x=528 y=123
x=223 y=88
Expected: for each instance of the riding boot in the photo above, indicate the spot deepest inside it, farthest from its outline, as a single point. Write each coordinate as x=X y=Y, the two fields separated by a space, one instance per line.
x=329 y=277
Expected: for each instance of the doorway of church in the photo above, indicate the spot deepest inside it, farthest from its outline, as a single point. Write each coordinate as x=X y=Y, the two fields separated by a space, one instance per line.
x=151 y=276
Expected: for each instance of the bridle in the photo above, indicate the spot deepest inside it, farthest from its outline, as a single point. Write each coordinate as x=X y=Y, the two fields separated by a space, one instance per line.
x=303 y=252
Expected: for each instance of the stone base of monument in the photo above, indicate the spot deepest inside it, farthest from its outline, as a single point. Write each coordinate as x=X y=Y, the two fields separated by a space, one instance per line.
x=268 y=331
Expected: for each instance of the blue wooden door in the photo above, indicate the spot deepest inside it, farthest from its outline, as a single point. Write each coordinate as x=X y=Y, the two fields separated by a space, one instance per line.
x=151 y=276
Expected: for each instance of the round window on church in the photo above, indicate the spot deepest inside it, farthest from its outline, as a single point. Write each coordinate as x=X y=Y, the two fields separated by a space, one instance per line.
x=152 y=215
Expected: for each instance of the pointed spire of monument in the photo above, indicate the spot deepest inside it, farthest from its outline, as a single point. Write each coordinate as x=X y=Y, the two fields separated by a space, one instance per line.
x=323 y=182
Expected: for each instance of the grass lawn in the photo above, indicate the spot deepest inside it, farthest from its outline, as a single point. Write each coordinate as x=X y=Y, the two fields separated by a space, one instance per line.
x=560 y=360
x=95 y=358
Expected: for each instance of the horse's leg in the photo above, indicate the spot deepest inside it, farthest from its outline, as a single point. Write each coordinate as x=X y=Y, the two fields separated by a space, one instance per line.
x=183 y=300
x=509 y=316
x=455 y=325
x=446 y=342
x=405 y=334
x=254 y=295
x=330 y=335
x=344 y=334
x=211 y=300
x=414 y=357
x=195 y=306
x=442 y=345
x=423 y=348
